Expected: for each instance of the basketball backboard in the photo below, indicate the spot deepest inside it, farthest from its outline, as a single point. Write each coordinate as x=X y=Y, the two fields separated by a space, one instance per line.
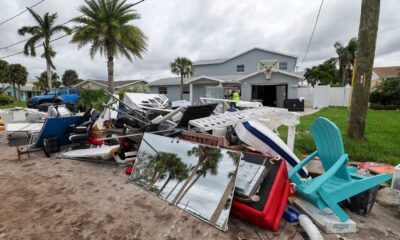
x=268 y=66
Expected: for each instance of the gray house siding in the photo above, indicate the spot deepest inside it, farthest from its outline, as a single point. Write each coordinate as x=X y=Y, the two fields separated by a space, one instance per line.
x=173 y=92
x=276 y=79
x=199 y=90
x=250 y=61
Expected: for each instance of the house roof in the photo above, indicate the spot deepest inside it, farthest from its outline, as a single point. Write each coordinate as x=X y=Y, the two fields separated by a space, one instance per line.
x=166 y=81
x=387 y=72
x=222 y=60
x=177 y=80
x=221 y=79
x=117 y=83
x=294 y=75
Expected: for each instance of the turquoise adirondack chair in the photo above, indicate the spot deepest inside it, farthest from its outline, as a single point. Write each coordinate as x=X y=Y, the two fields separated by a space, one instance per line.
x=338 y=182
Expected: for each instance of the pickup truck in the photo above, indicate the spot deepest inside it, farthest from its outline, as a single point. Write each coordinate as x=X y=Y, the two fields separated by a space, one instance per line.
x=68 y=96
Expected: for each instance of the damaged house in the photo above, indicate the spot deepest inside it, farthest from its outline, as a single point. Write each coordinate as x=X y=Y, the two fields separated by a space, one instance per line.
x=244 y=73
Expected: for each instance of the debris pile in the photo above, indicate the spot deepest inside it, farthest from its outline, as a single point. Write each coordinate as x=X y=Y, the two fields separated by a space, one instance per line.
x=210 y=161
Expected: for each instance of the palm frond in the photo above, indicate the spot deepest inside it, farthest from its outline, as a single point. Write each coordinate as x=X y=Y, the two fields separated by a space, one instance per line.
x=38 y=19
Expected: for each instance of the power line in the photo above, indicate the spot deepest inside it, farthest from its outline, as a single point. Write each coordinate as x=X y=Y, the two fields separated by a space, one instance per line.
x=57 y=65
x=11 y=18
x=312 y=33
x=55 y=39
x=22 y=41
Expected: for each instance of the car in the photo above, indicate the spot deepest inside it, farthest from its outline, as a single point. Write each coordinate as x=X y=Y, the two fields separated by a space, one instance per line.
x=66 y=95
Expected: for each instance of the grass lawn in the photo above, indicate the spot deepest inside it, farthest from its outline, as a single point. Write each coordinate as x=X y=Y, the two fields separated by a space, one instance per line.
x=12 y=105
x=382 y=138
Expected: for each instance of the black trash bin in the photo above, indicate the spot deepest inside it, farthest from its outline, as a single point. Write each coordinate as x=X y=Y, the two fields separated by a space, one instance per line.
x=294 y=105
x=362 y=203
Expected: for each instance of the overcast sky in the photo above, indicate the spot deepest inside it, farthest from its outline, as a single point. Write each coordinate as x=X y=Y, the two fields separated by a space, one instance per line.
x=208 y=29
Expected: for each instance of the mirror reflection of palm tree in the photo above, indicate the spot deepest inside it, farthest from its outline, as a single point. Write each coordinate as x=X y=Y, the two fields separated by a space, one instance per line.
x=166 y=163
x=226 y=198
x=209 y=158
x=177 y=171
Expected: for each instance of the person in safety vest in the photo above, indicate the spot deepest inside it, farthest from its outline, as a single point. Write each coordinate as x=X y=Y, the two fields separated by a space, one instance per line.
x=235 y=96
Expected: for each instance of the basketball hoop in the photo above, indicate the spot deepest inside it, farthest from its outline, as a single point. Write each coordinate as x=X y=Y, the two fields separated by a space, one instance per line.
x=267 y=66
x=268 y=72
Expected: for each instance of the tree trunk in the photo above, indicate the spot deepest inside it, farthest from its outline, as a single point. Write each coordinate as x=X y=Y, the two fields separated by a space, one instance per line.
x=344 y=74
x=110 y=68
x=187 y=189
x=221 y=205
x=173 y=189
x=153 y=180
x=181 y=87
x=365 y=60
x=165 y=184
x=19 y=92
x=188 y=180
x=48 y=65
x=15 y=92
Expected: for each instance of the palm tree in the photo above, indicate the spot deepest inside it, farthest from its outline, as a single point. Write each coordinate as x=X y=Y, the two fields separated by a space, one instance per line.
x=70 y=78
x=105 y=25
x=183 y=67
x=346 y=57
x=17 y=74
x=42 y=84
x=209 y=158
x=3 y=71
x=44 y=30
x=176 y=170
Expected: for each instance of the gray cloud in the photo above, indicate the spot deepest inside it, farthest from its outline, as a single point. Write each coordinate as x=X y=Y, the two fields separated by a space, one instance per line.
x=205 y=29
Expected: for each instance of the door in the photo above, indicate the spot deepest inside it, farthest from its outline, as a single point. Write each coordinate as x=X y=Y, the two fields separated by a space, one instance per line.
x=265 y=94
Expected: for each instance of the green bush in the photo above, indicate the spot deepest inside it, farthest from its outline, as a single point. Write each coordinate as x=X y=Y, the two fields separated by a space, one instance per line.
x=122 y=92
x=387 y=93
x=4 y=99
x=92 y=98
x=377 y=106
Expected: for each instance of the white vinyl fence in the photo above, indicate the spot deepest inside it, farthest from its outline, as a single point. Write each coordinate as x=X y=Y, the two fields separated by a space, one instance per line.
x=324 y=96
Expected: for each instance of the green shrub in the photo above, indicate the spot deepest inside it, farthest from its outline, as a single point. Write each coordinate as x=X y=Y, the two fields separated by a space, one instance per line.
x=92 y=98
x=122 y=92
x=387 y=92
x=4 y=99
x=378 y=106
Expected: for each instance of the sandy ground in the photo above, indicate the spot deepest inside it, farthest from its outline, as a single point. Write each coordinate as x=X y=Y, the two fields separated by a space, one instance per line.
x=46 y=198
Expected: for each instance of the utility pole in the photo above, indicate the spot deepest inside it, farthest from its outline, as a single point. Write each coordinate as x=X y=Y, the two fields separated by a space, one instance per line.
x=365 y=61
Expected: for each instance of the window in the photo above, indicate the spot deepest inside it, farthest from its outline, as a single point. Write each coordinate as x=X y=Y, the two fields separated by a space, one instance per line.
x=162 y=90
x=186 y=90
x=62 y=91
x=282 y=65
x=240 y=68
x=72 y=91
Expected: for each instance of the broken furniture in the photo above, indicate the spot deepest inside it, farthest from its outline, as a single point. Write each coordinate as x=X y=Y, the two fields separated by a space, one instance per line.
x=202 y=138
x=20 y=133
x=102 y=153
x=338 y=181
x=197 y=178
x=56 y=111
x=81 y=130
x=259 y=136
x=273 y=192
x=141 y=101
x=253 y=132
x=56 y=127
